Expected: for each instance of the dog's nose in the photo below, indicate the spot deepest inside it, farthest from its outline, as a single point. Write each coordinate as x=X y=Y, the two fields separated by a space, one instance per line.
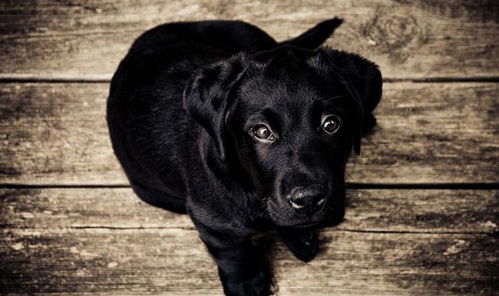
x=307 y=199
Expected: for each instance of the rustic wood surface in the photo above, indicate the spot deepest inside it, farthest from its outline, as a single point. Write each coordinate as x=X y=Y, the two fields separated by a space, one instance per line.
x=409 y=39
x=70 y=225
x=173 y=261
x=377 y=210
x=105 y=240
x=55 y=133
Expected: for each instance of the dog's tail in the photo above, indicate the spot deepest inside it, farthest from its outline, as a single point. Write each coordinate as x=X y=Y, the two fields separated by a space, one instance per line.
x=315 y=36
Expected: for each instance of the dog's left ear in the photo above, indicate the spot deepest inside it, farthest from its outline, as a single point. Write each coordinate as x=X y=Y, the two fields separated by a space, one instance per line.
x=208 y=97
x=362 y=80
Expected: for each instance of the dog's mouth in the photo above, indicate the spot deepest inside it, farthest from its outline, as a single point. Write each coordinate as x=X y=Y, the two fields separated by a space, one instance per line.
x=306 y=225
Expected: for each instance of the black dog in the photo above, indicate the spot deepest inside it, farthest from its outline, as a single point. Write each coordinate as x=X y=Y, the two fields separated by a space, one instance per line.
x=218 y=120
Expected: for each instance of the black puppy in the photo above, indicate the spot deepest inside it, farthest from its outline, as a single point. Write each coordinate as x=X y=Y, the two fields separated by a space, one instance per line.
x=218 y=120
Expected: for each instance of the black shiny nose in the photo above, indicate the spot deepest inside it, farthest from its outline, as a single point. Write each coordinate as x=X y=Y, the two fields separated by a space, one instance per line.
x=307 y=199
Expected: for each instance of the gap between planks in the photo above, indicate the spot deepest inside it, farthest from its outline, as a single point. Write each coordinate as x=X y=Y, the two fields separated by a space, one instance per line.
x=8 y=228
x=388 y=186
x=12 y=78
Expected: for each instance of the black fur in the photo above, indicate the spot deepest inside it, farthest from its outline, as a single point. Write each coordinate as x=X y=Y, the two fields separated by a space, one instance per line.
x=181 y=112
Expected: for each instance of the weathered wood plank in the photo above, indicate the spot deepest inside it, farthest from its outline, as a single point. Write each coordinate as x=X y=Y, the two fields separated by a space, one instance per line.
x=174 y=262
x=432 y=211
x=428 y=133
x=86 y=39
x=56 y=133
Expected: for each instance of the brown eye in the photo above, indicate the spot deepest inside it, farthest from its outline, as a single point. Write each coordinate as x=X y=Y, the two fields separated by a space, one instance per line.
x=262 y=133
x=331 y=124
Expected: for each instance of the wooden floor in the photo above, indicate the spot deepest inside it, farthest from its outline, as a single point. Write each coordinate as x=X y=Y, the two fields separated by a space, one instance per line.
x=423 y=198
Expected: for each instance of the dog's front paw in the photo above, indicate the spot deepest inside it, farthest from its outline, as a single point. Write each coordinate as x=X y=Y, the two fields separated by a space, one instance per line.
x=239 y=285
x=304 y=244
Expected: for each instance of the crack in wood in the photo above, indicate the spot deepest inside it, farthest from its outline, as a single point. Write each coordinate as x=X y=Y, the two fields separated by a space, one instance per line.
x=348 y=185
x=7 y=228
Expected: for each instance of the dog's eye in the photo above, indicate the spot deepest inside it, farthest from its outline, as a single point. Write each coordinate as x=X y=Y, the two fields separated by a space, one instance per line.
x=330 y=124
x=262 y=133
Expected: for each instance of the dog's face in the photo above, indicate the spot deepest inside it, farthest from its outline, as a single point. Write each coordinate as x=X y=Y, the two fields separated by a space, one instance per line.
x=289 y=119
x=292 y=131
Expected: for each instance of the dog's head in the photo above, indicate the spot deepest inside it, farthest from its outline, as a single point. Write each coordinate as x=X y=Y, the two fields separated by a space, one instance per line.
x=288 y=118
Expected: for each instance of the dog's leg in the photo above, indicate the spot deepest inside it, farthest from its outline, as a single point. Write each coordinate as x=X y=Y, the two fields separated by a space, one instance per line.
x=241 y=266
x=302 y=242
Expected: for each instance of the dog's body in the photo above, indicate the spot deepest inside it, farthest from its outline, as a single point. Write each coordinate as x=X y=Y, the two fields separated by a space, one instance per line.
x=245 y=134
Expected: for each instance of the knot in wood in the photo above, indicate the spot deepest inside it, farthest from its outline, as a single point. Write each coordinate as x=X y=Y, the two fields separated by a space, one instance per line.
x=395 y=34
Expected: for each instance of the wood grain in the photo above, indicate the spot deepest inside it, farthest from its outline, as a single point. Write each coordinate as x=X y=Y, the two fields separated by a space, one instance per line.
x=174 y=262
x=402 y=210
x=80 y=240
x=409 y=39
x=428 y=133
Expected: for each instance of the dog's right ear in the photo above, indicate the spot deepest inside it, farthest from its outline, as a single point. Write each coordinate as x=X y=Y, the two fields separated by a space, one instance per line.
x=208 y=97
